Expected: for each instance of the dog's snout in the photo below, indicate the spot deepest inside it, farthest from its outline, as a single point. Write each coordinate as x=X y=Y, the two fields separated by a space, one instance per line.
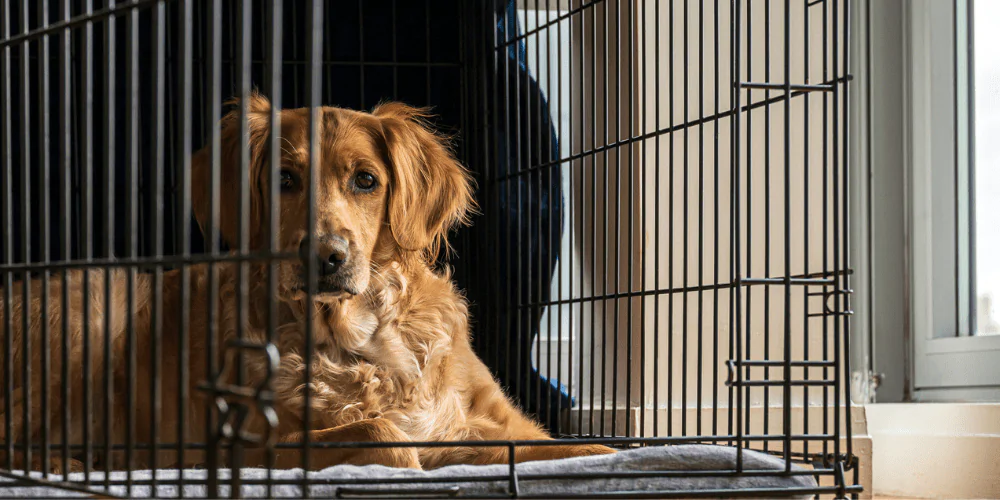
x=331 y=254
x=337 y=251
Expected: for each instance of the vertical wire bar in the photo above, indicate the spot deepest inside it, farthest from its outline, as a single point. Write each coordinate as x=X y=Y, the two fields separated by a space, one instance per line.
x=656 y=220
x=631 y=217
x=565 y=210
x=578 y=204
x=835 y=64
x=544 y=274
x=685 y=224
x=487 y=75
x=156 y=317
x=735 y=256
x=315 y=86
x=65 y=232
x=503 y=183
x=604 y=247
x=533 y=260
x=582 y=120
x=109 y=205
x=44 y=161
x=767 y=206
x=787 y=362
x=184 y=156
x=805 y=230
x=212 y=233
x=86 y=186
x=555 y=176
x=132 y=124
x=701 y=208
x=26 y=354
x=733 y=81
x=844 y=274
x=571 y=208
x=468 y=144
x=511 y=301
x=670 y=228
x=517 y=171
x=749 y=218
x=494 y=185
x=618 y=210
x=569 y=211
x=552 y=170
x=593 y=211
x=825 y=245
x=8 y=167
x=643 y=217
x=242 y=285
x=525 y=306
x=715 y=224
x=274 y=195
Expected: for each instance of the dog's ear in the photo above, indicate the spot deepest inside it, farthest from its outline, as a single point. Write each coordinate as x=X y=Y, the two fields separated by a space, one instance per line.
x=430 y=192
x=257 y=133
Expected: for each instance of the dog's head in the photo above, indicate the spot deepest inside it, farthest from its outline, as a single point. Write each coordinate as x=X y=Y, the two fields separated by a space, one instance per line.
x=386 y=187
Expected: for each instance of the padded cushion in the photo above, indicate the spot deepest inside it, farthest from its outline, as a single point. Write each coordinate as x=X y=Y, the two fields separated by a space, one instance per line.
x=585 y=470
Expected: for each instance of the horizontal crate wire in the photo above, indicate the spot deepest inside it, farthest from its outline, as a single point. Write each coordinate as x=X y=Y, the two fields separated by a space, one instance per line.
x=659 y=255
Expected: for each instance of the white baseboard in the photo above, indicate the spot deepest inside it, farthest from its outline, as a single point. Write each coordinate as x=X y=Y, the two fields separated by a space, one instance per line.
x=935 y=450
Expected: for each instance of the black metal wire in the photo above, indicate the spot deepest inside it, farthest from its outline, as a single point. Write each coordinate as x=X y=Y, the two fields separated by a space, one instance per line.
x=87 y=160
x=275 y=14
x=169 y=59
x=315 y=85
x=65 y=233
x=109 y=205
x=25 y=121
x=214 y=57
x=8 y=153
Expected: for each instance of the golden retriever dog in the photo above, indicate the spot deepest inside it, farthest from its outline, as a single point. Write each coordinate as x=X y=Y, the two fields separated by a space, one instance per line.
x=392 y=360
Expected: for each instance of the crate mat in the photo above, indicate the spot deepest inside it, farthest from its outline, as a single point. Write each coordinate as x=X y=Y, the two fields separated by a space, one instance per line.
x=584 y=480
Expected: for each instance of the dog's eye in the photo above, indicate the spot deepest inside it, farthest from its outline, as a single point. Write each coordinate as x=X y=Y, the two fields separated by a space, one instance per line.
x=287 y=180
x=365 y=181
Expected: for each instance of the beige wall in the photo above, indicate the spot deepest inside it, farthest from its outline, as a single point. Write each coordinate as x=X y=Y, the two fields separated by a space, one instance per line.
x=662 y=322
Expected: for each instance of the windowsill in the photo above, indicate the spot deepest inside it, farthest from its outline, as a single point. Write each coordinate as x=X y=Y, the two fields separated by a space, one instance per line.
x=935 y=450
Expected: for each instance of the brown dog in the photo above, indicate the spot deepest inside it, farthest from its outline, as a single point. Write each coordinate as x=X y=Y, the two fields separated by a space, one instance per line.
x=392 y=360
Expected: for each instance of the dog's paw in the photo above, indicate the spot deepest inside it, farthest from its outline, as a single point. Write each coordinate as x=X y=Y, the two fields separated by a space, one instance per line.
x=57 y=466
x=597 y=449
x=568 y=451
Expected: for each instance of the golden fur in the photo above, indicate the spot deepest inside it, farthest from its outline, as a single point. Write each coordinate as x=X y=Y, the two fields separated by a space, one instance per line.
x=392 y=359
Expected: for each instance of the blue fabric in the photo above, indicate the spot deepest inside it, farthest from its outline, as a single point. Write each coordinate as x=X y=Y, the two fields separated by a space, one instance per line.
x=530 y=200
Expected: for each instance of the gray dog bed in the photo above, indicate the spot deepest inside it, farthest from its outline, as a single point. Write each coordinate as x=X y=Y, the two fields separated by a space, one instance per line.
x=534 y=478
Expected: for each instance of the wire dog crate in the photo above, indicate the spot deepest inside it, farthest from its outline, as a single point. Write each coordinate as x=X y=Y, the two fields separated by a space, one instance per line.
x=660 y=255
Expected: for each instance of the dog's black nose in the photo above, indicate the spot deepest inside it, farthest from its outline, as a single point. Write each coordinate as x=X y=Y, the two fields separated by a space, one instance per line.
x=331 y=254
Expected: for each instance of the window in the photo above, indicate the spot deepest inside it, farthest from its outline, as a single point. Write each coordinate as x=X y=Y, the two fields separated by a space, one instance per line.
x=984 y=79
x=954 y=173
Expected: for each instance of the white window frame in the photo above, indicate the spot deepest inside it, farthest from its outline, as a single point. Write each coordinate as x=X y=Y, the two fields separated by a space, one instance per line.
x=943 y=360
x=919 y=317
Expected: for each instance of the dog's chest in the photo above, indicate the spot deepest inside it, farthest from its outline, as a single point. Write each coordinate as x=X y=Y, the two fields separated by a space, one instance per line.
x=391 y=375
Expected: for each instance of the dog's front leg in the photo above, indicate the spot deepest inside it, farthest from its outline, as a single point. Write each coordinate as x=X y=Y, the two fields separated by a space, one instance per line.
x=494 y=417
x=520 y=428
x=374 y=430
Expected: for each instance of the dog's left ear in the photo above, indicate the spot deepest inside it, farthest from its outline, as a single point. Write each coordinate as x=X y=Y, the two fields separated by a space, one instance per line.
x=430 y=192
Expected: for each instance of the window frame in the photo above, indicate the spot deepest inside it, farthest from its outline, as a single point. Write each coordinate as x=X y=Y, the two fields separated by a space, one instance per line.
x=924 y=362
